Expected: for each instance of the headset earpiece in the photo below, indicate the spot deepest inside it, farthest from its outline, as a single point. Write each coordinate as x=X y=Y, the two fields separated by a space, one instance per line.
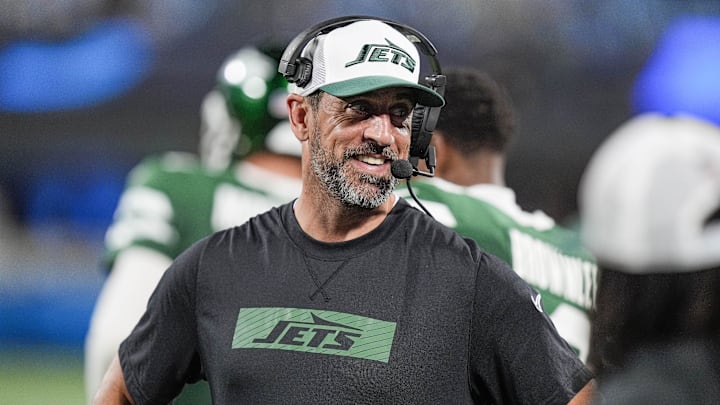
x=423 y=124
x=418 y=147
x=298 y=69
x=303 y=72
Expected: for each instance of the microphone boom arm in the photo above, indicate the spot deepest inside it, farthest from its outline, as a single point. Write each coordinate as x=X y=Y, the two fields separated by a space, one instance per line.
x=430 y=162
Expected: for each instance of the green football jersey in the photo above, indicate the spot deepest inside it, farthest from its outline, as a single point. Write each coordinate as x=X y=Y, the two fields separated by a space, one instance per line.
x=549 y=257
x=171 y=201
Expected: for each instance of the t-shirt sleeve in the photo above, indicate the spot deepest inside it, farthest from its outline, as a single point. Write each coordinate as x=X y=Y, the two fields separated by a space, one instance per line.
x=516 y=354
x=161 y=354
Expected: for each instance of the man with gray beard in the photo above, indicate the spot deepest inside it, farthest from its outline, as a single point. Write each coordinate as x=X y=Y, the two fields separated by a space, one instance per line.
x=347 y=294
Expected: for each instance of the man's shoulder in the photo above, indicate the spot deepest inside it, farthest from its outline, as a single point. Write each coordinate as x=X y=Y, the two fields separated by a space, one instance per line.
x=164 y=166
x=173 y=171
x=270 y=220
x=430 y=229
x=455 y=205
x=489 y=211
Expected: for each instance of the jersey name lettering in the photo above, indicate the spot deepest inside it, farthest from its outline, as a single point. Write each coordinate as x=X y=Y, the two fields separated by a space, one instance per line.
x=544 y=267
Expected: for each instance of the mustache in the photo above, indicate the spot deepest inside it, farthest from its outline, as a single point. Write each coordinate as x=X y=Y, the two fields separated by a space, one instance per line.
x=371 y=149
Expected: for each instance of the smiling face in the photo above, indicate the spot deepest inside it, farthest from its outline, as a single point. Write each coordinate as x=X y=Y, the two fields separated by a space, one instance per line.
x=354 y=141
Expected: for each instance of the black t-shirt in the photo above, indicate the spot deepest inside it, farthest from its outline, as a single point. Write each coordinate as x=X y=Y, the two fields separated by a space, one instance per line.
x=408 y=313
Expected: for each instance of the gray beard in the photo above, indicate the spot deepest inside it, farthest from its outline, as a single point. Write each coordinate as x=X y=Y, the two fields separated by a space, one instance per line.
x=369 y=192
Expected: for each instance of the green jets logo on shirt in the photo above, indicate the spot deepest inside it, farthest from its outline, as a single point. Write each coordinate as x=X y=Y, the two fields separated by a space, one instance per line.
x=384 y=53
x=314 y=331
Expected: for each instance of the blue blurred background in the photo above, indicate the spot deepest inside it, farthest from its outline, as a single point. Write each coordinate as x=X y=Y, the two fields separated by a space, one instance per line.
x=88 y=87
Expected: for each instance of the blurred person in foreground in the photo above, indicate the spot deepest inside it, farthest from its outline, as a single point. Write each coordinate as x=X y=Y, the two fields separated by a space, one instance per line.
x=469 y=194
x=650 y=212
x=347 y=294
x=249 y=161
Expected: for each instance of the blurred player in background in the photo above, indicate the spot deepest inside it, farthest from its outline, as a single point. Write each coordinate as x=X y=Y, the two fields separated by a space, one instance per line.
x=650 y=213
x=469 y=195
x=249 y=161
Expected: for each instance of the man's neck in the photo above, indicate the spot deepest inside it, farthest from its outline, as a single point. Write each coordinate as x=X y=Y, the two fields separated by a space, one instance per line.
x=486 y=167
x=328 y=220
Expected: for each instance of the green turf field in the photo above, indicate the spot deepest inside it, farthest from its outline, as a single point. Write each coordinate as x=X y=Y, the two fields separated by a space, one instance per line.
x=41 y=376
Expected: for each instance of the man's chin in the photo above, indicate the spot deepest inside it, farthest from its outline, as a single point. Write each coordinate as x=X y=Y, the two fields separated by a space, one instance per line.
x=372 y=200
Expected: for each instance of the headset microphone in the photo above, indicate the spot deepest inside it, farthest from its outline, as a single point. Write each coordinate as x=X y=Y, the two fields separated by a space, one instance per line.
x=403 y=169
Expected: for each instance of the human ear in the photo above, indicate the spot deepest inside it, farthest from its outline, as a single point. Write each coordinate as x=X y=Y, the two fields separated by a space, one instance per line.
x=298 y=116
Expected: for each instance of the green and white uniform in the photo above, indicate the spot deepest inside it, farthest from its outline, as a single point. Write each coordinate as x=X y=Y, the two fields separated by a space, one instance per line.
x=172 y=201
x=549 y=257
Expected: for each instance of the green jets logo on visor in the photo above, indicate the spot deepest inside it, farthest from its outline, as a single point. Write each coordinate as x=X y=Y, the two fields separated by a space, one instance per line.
x=384 y=53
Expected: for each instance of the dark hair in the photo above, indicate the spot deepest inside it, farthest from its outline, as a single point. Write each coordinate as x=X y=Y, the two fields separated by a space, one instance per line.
x=633 y=311
x=478 y=112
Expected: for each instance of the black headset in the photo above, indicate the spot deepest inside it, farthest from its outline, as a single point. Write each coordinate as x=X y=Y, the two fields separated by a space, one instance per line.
x=298 y=69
